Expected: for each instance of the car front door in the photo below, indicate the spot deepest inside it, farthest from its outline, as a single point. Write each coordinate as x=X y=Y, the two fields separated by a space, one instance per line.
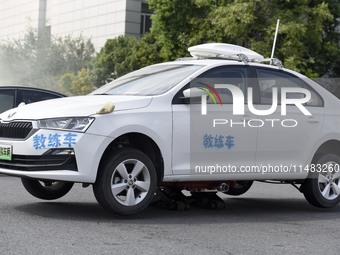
x=217 y=141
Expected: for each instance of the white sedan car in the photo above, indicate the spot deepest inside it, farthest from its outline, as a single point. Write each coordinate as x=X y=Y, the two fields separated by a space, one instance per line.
x=212 y=123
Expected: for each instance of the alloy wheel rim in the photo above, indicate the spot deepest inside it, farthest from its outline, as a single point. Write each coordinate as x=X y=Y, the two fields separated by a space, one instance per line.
x=130 y=182
x=329 y=182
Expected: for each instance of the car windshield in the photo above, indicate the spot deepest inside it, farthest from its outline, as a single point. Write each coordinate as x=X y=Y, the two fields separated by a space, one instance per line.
x=148 y=81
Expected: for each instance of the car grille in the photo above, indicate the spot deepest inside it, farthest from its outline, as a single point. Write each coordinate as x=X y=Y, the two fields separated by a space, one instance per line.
x=15 y=130
x=40 y=163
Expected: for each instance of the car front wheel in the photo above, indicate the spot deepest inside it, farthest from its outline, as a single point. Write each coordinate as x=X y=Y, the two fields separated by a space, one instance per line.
x=126 y=182
x=47 y=190
x=322 y=188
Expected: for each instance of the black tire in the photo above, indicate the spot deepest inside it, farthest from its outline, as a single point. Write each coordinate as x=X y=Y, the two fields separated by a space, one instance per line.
x=239 y=188
x=47 y=190
x=180 y=206
x=134 y=178
x=216 y=204
x=321 y=188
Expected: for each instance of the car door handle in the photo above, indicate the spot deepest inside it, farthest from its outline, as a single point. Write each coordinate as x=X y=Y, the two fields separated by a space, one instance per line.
x=245 y=117
x=312 y=120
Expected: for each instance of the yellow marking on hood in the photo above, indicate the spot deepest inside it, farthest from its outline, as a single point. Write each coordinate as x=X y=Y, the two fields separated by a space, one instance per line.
x=107 y=108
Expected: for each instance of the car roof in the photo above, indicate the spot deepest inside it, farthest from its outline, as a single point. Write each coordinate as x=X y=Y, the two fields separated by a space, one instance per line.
x=220 y=62
x=223 y=62
x=23 y=87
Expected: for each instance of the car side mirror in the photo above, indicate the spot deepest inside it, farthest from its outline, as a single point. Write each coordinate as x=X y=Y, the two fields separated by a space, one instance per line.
x=192 y=95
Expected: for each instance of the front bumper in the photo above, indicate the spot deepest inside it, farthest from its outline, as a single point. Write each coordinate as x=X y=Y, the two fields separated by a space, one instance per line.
x=40 y=163
x=55 y=155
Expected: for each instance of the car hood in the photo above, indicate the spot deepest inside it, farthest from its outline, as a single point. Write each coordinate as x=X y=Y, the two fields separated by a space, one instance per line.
x=74 y=106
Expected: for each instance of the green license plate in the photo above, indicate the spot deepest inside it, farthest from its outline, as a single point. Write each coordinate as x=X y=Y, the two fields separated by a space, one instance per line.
x=5 y=152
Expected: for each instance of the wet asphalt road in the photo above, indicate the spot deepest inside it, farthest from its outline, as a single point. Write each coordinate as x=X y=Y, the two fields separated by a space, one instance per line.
x=269 y=219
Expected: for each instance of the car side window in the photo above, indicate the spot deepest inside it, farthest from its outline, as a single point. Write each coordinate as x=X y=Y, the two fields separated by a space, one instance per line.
x=31 y=96
x=269 y=79
x=236 y=76
x=6 y=99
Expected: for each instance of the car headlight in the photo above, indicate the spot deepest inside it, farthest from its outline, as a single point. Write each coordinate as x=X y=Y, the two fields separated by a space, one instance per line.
x=78 y=124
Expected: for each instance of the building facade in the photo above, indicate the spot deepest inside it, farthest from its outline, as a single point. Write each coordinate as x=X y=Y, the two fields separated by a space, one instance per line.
x=99 y=20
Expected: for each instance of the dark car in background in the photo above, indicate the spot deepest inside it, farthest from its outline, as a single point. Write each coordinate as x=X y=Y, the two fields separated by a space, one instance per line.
x=12 y=96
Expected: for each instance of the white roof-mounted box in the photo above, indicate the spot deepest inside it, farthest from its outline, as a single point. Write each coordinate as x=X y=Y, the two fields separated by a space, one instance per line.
x=225 y=51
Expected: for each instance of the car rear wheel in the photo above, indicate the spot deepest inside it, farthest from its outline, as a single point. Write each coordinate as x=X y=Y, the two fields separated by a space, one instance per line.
x=239 y=188
x=47 y=190
x=126 y=182
x=322 y=188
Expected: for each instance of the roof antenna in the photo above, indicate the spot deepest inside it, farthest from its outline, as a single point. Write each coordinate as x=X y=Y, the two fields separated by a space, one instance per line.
x=273 y=50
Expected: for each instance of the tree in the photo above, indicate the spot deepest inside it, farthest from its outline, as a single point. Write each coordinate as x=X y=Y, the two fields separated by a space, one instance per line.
x=145 y=52
x=333 y=35
x=70 y=54
x=24 y=61
x=173 y=24
x=76 y=84
x=122 y=55
x=18 y=58
x=109 y=62
x=306 y=42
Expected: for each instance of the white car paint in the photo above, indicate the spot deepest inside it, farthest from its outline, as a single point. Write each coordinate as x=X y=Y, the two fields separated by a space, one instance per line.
x=169 y=126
